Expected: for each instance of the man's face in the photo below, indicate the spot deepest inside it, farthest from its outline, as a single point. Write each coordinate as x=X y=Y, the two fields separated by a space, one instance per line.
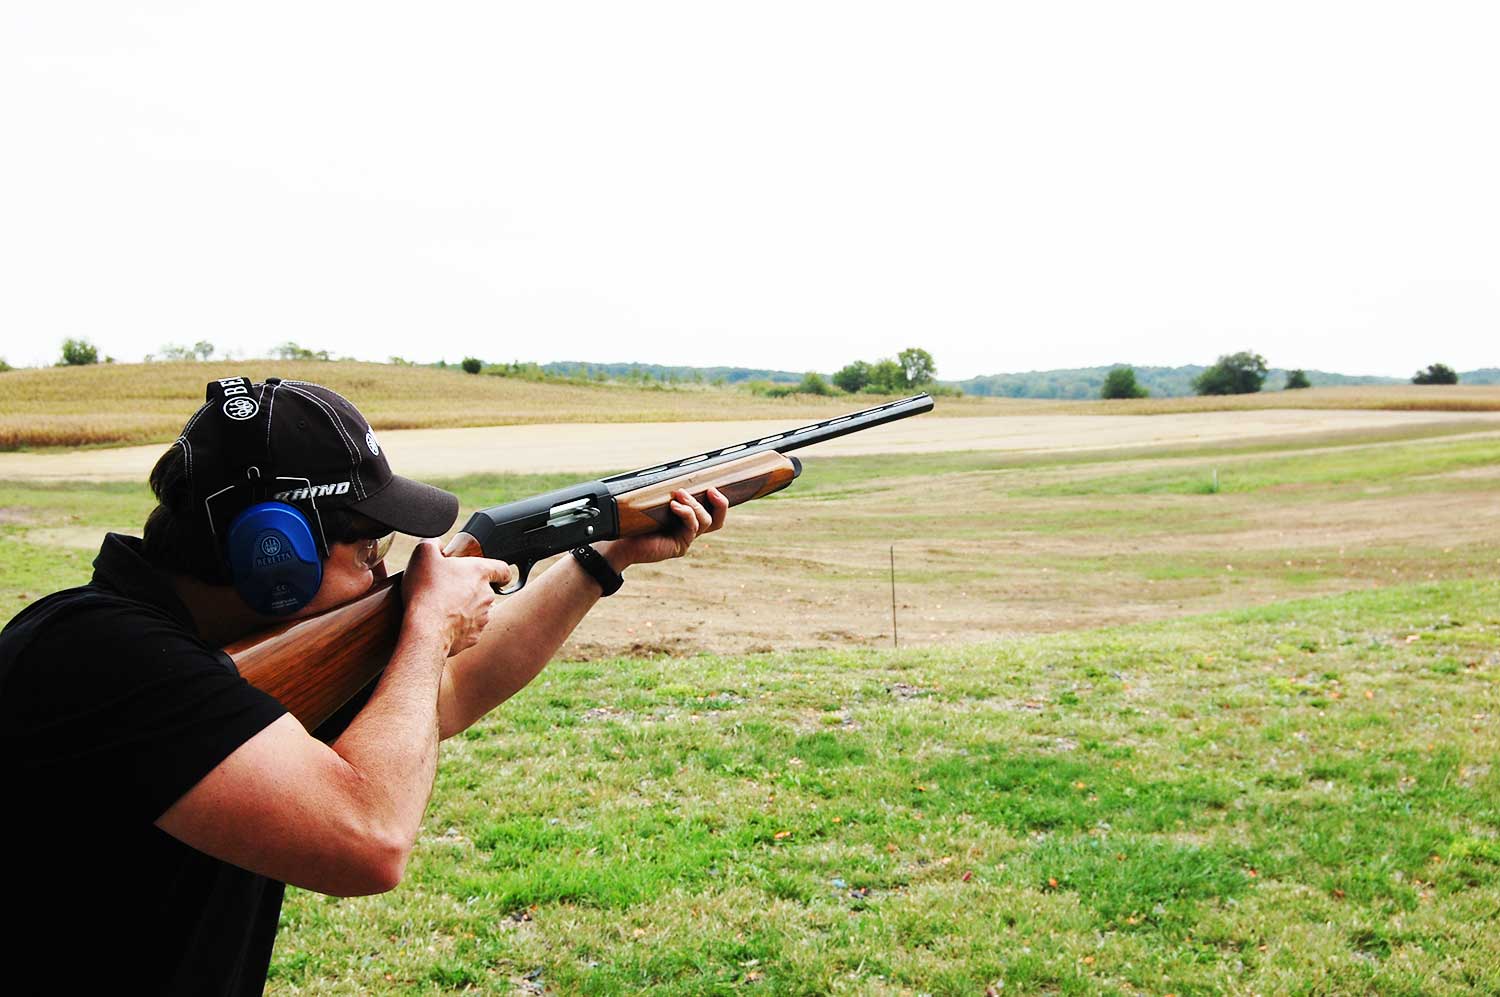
x=353 y=566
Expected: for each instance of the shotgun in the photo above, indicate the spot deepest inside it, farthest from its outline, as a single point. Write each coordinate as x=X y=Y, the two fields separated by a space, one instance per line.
x=316 y=665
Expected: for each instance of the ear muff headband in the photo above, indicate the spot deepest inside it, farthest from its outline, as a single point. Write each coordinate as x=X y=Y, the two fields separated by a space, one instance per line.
x=269 y=549
x=273 y=559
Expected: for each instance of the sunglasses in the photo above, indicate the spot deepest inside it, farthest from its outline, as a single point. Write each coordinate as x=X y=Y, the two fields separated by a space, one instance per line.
x=371 y=540
x=370 y=551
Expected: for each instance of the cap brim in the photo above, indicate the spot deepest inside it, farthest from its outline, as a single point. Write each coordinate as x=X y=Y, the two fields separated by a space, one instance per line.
x=411 y=507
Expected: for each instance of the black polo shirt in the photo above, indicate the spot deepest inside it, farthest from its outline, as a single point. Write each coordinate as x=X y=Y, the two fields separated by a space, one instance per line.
x=111 y=708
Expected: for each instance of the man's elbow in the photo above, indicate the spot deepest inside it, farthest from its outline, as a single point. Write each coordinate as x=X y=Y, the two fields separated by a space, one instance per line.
x=375 y=869
x=381 y=864
x=369 y=862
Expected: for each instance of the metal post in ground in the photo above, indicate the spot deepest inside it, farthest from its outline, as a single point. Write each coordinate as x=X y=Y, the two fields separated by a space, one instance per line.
x=895 y=643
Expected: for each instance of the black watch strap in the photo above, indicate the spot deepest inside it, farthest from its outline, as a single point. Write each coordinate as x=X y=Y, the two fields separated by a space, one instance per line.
x=599 y=570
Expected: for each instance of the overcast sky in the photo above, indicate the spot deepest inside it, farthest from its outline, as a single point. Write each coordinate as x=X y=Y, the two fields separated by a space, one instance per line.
x=1012 y=186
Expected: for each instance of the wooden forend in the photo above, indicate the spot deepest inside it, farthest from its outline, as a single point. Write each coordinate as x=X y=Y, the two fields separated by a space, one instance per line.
x=646 y=510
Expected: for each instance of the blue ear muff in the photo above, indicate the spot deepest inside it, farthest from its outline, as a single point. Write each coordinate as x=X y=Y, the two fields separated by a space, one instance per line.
x=273 y=559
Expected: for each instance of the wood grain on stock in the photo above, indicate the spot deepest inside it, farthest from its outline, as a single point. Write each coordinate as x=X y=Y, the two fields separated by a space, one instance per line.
x=646 y=510
x=316 y=665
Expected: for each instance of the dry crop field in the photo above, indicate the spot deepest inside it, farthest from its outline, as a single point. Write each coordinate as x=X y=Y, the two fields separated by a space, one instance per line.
x=107 y=404
x=111 y=404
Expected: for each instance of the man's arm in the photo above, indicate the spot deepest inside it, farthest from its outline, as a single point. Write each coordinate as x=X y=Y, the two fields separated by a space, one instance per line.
x=342 y=819
x=527 y=628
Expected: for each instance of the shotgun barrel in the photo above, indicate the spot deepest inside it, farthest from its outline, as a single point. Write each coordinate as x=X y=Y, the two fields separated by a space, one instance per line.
x=530 y=530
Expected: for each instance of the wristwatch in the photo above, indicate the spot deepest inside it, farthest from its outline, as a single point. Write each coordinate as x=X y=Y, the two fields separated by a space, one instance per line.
x=598 y=568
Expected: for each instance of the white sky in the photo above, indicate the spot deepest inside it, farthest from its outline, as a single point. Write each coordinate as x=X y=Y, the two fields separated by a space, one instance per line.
x=790 y=185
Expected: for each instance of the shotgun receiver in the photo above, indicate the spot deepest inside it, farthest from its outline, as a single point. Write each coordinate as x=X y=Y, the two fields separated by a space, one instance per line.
x=314 y=666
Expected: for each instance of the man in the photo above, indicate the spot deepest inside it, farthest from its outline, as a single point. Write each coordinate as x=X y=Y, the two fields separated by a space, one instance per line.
x=157 y=802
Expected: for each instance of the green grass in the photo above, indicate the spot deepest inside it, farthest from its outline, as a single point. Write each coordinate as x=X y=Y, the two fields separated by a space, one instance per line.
x=1292 y=797
x=1384 y=465
x=1295 y=799
x=830 y=474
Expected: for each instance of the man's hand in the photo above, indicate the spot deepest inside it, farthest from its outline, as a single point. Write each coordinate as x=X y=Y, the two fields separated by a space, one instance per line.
x=451 y=593
x=693 y=519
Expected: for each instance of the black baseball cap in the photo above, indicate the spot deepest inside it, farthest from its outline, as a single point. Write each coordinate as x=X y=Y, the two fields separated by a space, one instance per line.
x=299 y=443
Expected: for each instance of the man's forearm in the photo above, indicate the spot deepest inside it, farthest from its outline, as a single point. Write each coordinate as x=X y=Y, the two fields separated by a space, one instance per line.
x=391 y=746
x=525 y=631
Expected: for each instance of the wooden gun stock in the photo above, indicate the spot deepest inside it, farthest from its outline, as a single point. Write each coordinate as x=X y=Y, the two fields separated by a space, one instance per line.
x=316 y=665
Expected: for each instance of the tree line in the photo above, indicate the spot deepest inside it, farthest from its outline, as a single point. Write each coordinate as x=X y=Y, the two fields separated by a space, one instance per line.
x=1245 y=373
x=913 y=368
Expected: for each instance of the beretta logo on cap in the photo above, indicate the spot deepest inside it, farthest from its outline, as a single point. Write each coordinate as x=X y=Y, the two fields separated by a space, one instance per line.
x=241 y=408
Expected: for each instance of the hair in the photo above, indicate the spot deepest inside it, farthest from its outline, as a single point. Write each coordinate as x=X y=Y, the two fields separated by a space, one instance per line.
x=177 y=537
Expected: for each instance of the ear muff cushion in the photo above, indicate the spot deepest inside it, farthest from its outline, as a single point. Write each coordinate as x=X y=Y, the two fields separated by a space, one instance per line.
x=273 y=558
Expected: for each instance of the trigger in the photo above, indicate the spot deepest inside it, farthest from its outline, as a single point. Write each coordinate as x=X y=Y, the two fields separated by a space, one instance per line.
x=516 y=583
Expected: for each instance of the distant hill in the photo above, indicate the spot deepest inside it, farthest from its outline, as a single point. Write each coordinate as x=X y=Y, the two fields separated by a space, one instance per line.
x=1162 y=382
x=1070 y=383
x=659 y=372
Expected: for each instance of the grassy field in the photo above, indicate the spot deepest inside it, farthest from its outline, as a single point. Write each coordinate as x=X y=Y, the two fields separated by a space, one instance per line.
x=1296 y=800
x=114 y=404
x=1280 y=783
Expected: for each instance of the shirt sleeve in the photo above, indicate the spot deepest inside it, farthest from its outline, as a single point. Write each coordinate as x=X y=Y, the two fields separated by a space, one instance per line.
x=124 y=712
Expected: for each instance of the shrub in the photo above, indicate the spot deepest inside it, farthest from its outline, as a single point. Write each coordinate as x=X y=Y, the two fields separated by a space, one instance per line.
x=887 y=377
x=472 y=365
x=1438 y=373
x=853 y=377
x=291 y=351
x=1121 y=383
x=78 y=352
x=1233 y=374
x=1297 y=379
x=813 y=384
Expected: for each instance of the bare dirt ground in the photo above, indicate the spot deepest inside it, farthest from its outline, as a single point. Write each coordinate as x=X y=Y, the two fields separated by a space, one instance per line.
x=591 y=448
x=777 y=581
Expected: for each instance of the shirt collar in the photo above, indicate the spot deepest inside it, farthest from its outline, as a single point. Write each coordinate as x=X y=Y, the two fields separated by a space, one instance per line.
x=120 y=568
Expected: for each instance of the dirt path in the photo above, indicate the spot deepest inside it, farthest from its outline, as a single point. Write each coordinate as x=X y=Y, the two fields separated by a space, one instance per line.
x=435 y=453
